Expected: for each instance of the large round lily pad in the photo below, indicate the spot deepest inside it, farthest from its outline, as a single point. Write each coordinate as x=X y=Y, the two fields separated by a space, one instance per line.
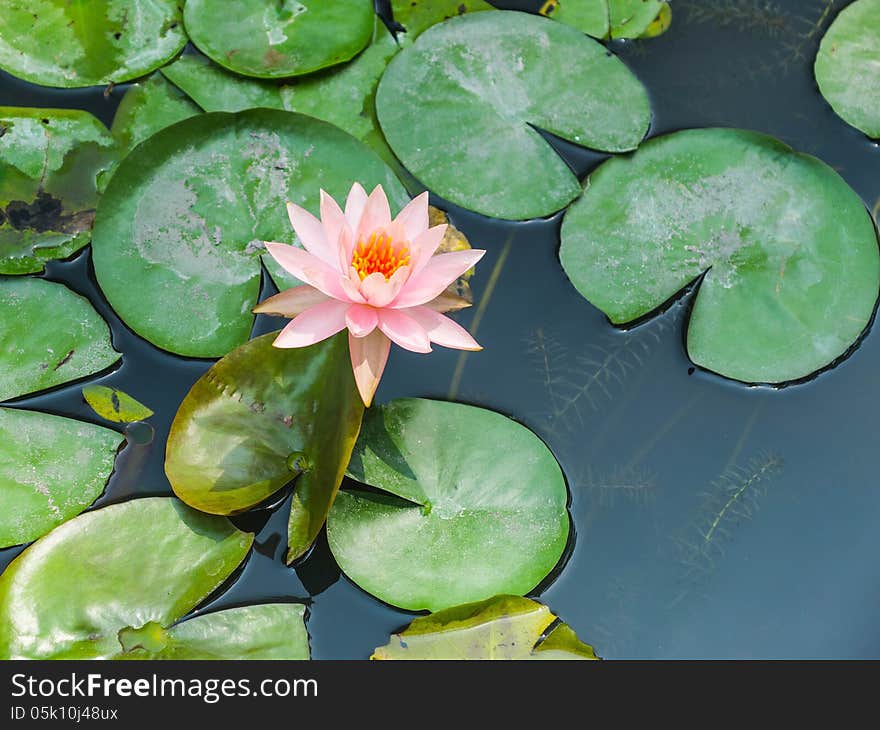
x=48 y=336
x=787 y=251
x=110 y=583
x=474 y=505
x=88 y=42
x=260 y=418
x=848 y=66
x=459 y=108
x=51 y=469
x=51 y=161
x=179 y=233
x=279 y=38
x=503 y=627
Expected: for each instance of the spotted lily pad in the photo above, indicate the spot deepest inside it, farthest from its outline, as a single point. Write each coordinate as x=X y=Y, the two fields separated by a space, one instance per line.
x=279 y=38
x=459 y=108
x=48 y=336
x=259 y=418
x=51 y=469
x=612 y=18
x=848 y=66
x=114 y=583
x=179 y=233
x=503 y=627
x=51 y=161
x=784 y=251
x=472 y=505
x=87 y=43
x=115 y=405
x=148 y=107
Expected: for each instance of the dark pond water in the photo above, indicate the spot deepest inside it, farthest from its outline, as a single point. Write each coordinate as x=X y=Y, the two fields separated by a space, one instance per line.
x=653 y=449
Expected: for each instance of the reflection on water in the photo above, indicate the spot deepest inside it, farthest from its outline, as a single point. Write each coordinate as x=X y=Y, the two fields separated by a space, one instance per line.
x=711 y=519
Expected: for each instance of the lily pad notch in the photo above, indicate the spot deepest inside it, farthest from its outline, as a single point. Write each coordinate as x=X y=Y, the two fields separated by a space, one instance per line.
x=784 y=251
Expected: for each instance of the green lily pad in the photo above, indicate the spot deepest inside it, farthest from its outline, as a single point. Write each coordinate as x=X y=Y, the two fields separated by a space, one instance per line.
x=503 y=627
x=786 y=250
x=459 y=108
x=114 y=405
x=848 y=66
x=612 y=18
x=148 y=107
x=113 y=580
x=71 y=44
x=474 y=506
x=48 y=336
x=275 y=39
x=257 y=419
x=178 y=238
x=50 y=163
x=266 y=631
x=51 y=469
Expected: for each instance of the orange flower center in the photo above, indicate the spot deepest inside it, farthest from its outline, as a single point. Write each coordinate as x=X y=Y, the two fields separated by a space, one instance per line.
x=379 y=254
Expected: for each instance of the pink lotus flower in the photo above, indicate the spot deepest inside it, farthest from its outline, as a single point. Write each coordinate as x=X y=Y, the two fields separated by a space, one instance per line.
x=376 y=276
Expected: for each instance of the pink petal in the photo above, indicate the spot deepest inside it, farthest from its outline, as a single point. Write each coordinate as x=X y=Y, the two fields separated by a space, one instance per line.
x=318 y=323
x=414 y=217
x=443 y=330
x=312 y=234
x=377 y=214
x=291 y=302
x=352 y=290
x=379 y=291
x=308 y=269
x=368 y=358
x=355 y=204
x=423 y=247
x=435 y=277
x=361 y=319
x=404 y=330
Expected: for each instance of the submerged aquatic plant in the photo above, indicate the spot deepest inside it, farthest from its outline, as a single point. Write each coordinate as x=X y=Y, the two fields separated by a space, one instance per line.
x=731 y=499
x=376 y=276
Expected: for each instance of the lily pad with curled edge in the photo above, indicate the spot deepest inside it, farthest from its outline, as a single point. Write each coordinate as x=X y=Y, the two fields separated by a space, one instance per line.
x=115 y=580
x=279 y=38
x=48 y=336
x=178 y=238
x=848 y=66
x=260 y=418
x=51 y=161
x=612 y=18
x=460 y=106
x=147 y=107
x=502 y=627
x=784 y=252
x=473 y=505
x=88 y=43
x=51 y=469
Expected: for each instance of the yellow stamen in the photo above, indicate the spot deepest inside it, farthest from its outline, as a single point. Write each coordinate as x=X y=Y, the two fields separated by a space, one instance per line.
x=380 y=254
